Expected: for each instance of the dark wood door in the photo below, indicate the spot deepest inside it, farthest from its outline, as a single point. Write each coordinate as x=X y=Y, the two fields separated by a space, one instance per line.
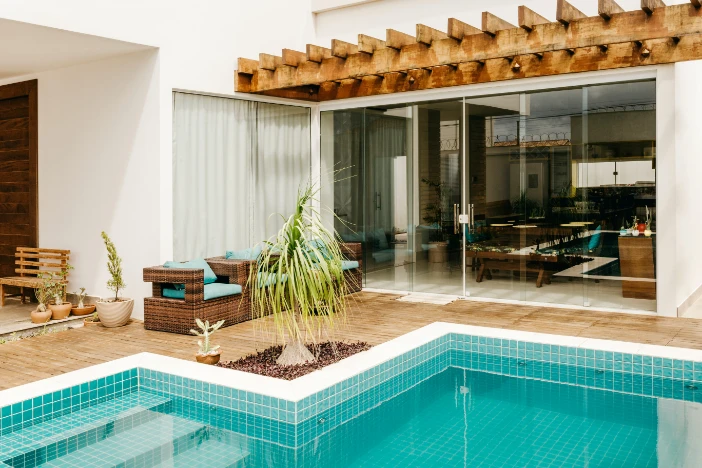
x=18 y=171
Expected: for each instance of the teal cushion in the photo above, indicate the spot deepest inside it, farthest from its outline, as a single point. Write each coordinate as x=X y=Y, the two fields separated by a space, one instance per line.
x=382 y=238
x=595 y=239
x=349 y=264
x=198 y=264
x=321 y=250
x=246 y=254
x=265 y=280
x=211 y=291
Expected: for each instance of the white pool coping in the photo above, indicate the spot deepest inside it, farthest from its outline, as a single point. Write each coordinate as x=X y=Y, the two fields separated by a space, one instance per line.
x=309 y=384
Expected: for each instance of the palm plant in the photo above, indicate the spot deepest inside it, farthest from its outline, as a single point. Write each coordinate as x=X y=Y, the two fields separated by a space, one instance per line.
x=299 y=280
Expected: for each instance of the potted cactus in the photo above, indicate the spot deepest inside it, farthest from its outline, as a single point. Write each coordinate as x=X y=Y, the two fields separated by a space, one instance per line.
x=207 y=354
x=81 y=308
x=116 y=311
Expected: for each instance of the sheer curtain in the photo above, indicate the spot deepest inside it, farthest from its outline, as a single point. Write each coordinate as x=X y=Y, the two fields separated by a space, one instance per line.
x=280 y=165
x=234 y=163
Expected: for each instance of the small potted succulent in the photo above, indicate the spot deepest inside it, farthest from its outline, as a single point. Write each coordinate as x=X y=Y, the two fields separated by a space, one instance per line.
x=116 y=311
x=207 y=354
x=56 y=283
x=42 y=314
x=81 y=308
x=92 y=320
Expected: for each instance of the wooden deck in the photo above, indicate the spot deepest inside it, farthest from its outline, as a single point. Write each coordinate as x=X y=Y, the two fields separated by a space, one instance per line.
x=374 y=318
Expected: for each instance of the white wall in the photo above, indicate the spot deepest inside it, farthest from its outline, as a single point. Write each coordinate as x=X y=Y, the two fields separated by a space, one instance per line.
x=99 y=167
x=688 y=175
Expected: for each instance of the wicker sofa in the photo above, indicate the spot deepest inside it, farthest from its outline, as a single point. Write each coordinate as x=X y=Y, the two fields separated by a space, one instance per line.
x=353 y=276
x=178 y=315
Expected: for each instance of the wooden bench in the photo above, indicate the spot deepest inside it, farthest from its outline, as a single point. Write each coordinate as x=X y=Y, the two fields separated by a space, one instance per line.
x=530 y=263
x=32 y=262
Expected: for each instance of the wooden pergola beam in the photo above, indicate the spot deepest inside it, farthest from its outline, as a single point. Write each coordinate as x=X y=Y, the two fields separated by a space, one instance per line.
x=369 y=44
x=529 y=18
x=343 y=49
x=293 y=58
x=269 y=62
x=681 y=23
x=607 y=8
x=246 y=66
x=649 y=5
x=553 y=63
x=566 y=13
x=317 y=53
x=491 y=24
x=458 y=29
x=397 y=40
x=427 y=35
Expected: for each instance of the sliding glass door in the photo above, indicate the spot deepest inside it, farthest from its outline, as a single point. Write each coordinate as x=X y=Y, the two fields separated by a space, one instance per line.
x=557 y=189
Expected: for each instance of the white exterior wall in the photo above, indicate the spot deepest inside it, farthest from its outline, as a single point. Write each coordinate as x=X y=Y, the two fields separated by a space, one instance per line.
x=98 y=167
x=198 y=46
x=688 y=183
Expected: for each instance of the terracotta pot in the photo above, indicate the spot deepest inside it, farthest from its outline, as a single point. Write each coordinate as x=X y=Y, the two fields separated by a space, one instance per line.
x=89 y=323
x=115 y=314
x=60 y=312
x=210 y=359
x=438 y=252
x=40 y=317
x=89 y=309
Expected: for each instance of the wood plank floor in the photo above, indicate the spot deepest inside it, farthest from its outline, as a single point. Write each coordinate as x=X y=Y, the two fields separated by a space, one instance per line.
x=374 y=318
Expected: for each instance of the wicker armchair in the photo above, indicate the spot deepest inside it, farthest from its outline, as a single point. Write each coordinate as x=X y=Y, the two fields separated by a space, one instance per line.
x=351 y=250
x=178 y=315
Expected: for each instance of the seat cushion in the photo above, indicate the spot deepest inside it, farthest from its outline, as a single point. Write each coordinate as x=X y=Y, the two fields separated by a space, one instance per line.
x=251 y=253
x=349 y=264
x=198 y=264
x=595 y=239
x=265 y=280
x=211 y=291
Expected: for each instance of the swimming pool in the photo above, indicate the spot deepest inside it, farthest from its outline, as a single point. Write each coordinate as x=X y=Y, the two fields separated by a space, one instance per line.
x=445 y=395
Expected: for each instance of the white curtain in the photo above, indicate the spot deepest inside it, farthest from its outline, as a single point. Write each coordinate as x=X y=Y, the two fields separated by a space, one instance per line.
x=280 y=166
x=234 y=163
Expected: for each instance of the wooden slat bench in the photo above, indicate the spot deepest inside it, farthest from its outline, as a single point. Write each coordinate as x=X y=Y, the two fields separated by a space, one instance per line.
x=31 y=262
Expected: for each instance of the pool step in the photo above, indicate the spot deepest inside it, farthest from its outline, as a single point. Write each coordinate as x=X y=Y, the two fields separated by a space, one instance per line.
x=144 y=445
x=210 y=453
x=79 y=427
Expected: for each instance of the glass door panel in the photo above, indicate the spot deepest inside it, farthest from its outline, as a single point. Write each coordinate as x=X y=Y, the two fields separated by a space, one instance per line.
x=618 y=183
x=554 y=197
x=387 y=197
x=439 y=184
x=497 y=266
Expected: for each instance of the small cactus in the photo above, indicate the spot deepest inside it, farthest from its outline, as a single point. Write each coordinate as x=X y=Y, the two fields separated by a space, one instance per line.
x=204 y=345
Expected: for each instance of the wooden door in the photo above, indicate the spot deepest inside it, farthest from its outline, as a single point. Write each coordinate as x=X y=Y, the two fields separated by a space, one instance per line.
x=18 y=171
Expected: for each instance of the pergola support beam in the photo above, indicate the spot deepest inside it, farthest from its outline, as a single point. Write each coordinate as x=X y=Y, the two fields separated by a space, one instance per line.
x=676 y=26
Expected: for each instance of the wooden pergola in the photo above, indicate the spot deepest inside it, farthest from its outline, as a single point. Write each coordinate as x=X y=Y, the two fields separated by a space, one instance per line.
x=497 y=51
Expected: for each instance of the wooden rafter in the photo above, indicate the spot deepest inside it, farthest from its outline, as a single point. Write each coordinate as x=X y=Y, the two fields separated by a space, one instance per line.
x=465 y=54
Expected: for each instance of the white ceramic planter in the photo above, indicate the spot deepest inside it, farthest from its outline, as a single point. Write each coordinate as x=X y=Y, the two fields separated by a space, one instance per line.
x=115 y=314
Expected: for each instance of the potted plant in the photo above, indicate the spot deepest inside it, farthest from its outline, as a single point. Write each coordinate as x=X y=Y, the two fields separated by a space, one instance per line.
x=42 y=314
x=207 y=354
x=635 y=227
x=647 y=231
x=81 y=308
x=437 y=215
x=299 y=281
x=116 y=311
x=92 y=320
x=56 y=284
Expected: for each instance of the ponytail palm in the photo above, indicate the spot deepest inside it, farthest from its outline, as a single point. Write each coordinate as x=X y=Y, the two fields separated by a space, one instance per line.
x=299 y=280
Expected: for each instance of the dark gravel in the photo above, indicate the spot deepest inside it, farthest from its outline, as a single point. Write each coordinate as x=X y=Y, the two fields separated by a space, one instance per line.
x=263 y=363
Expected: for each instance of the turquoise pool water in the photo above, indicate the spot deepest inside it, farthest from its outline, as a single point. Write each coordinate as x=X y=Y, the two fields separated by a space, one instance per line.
x=456 y=402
